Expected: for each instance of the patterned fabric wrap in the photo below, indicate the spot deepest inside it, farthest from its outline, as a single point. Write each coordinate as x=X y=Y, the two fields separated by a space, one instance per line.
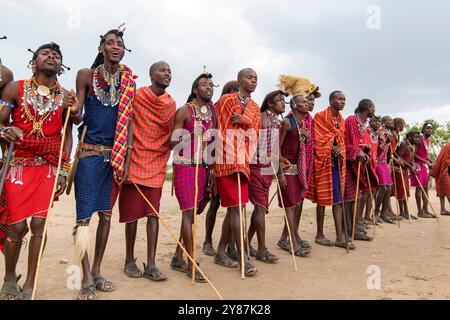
x=127 y=89
x=325 y=133
x=441 y=172
x=184 y=183
x=45 y=147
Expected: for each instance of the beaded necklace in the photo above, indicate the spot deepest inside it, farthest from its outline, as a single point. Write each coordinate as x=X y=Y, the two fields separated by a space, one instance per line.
x=202 y=114
x=108 y=95
x=273 y=120
x=301 y=137
x=362 y=126
x=44 y=102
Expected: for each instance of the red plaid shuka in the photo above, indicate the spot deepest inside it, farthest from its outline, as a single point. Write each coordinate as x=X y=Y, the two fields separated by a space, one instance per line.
x=46 y=147
x=153 y=118
x=119 y=152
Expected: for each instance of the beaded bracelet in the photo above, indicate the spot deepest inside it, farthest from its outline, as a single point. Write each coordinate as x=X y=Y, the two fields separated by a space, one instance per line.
x=4 y=104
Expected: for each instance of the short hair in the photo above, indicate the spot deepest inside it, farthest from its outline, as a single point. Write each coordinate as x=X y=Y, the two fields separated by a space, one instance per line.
x=51 y=45
x=155 y=65
x=374 y=118
x=412 y=133
x=333 y=94
x=425 y=125
x=363 y=105
x=270 y=97
x=385 y=118
x=397 y=121
x=243 y=72
x=230 y=87
x=292 y=101
x=195 y=84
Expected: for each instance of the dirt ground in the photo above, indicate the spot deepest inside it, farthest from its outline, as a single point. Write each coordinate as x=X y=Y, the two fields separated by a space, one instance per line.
x=413 y=261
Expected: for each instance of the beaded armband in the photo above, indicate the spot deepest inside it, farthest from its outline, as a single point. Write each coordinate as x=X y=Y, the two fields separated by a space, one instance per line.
x=65 y=169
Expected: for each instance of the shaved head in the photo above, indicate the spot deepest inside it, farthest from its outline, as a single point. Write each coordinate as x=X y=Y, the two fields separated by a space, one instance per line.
x=156 y=65
x=244 y=72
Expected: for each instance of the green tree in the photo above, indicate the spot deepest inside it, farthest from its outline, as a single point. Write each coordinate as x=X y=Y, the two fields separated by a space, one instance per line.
x=440 y=137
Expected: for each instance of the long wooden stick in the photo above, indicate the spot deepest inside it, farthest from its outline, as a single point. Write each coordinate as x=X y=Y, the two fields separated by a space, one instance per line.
x=343 y=208
x=426 y=196
x=176 y=239
x=395 y=194
x=194 y=233
x=404 y=190
x=371 y=200
x=286 y=219
x=241 y=227
x=44 y=234
x=271 y=199
x=356 y=201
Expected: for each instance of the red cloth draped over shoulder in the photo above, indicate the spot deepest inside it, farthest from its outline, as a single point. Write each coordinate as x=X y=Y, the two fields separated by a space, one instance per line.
x=153 y=119
x=440 y=171
x=325 y=133
x=227 y=106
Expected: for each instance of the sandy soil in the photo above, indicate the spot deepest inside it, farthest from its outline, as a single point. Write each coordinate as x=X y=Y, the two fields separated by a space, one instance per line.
x=413 y=259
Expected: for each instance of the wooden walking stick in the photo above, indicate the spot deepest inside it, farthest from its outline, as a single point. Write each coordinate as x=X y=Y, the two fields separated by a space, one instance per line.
x=271 y=199
x=176 y=239
x=44 y=234
x=426 y=196
x=194 y=233
x=241 y=227
x=247 y=243
x=286 y=219
x=73 y=170
x=356 y=201
x=6 y=166
x=343 y=208
x=395 y=194
x=372 y=201
x=404 y=190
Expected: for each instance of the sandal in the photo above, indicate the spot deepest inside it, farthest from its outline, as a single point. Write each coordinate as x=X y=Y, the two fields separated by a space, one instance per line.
x=103 y=285
x=87 y=292
x=26 y=295
x=225 y=261
x=425 y=215
x=10 y=291
x=387 y=219
x=304 y=244
x=267 y=257
x=324 y=242
x=232 y=254
x=302 y=252
x=253 y=252
x=178 y=265
x=284 y=245
x=153 y=274
x=445 y=213
x=198 y=276
x=249 y=269
x=132 y=271
x=208 y=249
x=362 y=237
x=342 y=244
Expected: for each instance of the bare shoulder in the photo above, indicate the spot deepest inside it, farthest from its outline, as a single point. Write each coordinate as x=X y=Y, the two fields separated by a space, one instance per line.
x=286 y=124
x=11 y=91
x=84 y=76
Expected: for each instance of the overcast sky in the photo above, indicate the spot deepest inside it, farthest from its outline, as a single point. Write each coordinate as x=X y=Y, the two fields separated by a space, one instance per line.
x=396 y=53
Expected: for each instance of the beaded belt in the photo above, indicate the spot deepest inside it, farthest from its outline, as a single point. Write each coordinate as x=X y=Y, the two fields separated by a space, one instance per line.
x=96 y=147
x=187 y=161
x=292 y=171
x=104 y=151
x=27 y=161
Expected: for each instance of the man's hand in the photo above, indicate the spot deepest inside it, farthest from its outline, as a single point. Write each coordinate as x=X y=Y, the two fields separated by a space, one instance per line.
x=71 y=102
x=13 y=134
x=285 y=163
x=283 y=181
x=61 y=186
x=236 y=118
